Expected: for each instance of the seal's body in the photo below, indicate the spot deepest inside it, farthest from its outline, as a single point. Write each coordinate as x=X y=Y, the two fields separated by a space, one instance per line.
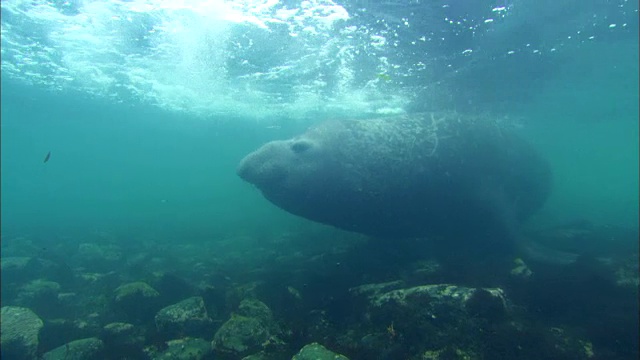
x=407 y=176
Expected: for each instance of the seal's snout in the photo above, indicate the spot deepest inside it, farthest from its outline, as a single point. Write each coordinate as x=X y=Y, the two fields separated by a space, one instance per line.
x=265 y=166
x=244 y=169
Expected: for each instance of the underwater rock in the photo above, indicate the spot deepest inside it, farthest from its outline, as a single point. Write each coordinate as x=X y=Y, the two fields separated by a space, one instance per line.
x=429 y=314
x=10 y=264
x=59 y=330
x=452 y=294
x=182 y=349
x=18 y=270
x=568 y=346
x=256 y=309
x=68 y=299
x=68 y=303
x=40 y=295
x=137 y=290
x=240 y=336
x=14 y=269
x=450 y=353
x=431 y=355
x=372 y=290
x=444 y=300
x=83 y=349
x=173 y=288
x=315 y=351
x=214 y=297
x=99 y=258
x=90 y=323
x=424 y=270
x=188 y=317
x=249 y=330
x=99 y=281
x=520 y=269
x=236 y=294
x=627 y=273
x=138 y=300
x=258 y=356
x=20 y=328
x=40 y=287
x=122 y=337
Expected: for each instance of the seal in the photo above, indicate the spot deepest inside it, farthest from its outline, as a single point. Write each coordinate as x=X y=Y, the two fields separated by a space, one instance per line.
x=429 y=174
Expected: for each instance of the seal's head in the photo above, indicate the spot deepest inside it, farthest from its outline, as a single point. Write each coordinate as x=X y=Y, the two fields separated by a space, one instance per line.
x=290 y=173
x=275 y=163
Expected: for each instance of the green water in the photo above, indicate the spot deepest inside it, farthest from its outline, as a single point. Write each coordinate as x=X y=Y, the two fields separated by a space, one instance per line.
x=586 y=123
x=117 y=168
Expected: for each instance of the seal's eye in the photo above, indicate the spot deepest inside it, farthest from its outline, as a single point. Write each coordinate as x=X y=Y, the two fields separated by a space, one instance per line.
x=300 y=146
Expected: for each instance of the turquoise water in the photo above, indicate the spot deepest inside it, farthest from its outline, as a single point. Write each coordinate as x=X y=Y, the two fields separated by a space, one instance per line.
x=132 y=166
x=588 y=128
x=147 y=107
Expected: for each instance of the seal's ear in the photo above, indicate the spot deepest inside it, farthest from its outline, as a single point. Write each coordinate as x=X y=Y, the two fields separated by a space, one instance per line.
x=300 y=146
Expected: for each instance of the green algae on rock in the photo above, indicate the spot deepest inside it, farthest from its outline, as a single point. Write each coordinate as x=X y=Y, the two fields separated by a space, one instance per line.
x=136 y=289
x=40 y=295
x=83 y=349
x=181 y=349
x=15 y=268
x=187 y=317
x=315 y=351
x=256 y=309
x=20 y=329
x=122 y=337
x=138 y=300
x=240 y=335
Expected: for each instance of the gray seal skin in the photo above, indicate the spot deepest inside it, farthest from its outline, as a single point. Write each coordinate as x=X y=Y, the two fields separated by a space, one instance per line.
x=434 y=174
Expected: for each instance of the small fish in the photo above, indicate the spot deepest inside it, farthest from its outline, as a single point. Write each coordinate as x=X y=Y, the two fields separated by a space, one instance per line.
x=46 y=158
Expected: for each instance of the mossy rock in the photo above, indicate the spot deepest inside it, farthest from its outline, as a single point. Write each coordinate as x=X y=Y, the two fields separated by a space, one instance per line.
x=120 y=334
x=184 y=349
x=20 y=330
x=256 y=309
x=83 y=349
x=188 y=317
x=137 y=300
x=135 y=290
x=315 y=351
x=240 y=336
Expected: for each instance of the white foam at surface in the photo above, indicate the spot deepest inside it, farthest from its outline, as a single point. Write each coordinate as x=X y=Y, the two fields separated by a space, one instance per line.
x=242 y=58
x=200 y=57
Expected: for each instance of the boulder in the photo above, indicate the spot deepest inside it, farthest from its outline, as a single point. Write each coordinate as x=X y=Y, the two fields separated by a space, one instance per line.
x=15 y=269
x=188 y=317
x=315 y=351
x=256 y=309
x=20 y=330
x=138 y=300
x=240 y=336
x=439 y=300
x=433 y=315
x=120 y=335
x=83 y=349
x=250 y=330
x=99 y=257
x=42 y=296
x=182 y=349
